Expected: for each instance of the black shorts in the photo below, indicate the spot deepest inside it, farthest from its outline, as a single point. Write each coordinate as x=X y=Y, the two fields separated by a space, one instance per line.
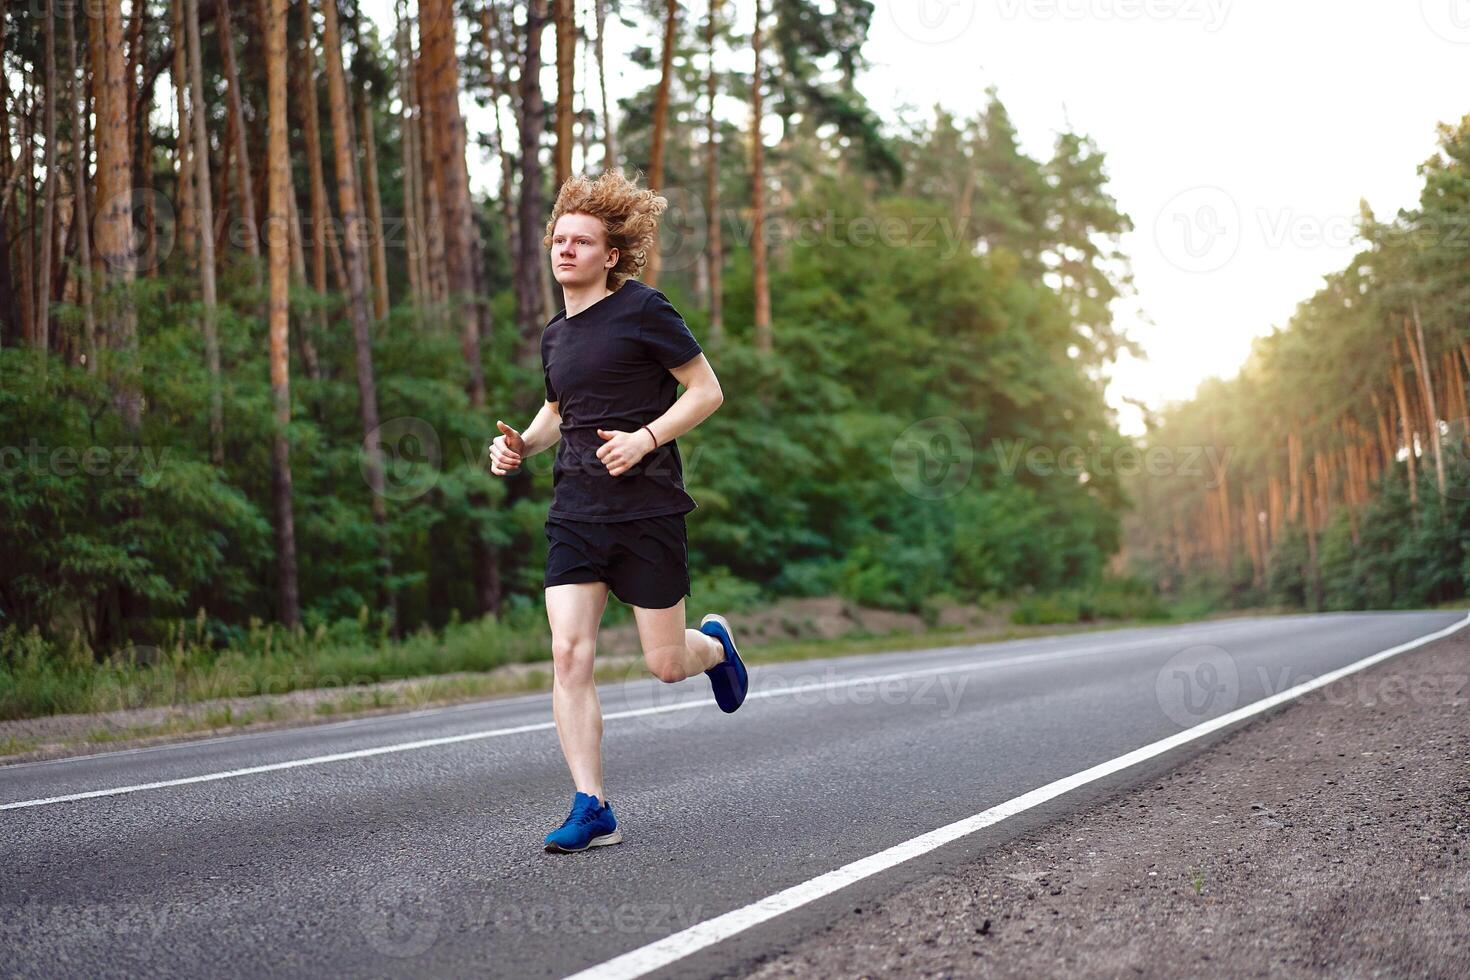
x=644 y=561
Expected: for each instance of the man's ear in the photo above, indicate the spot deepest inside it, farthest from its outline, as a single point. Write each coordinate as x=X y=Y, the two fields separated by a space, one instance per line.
x=613 y=253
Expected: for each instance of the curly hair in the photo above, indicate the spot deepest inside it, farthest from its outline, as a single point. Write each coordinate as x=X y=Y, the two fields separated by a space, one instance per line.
x=629 y=213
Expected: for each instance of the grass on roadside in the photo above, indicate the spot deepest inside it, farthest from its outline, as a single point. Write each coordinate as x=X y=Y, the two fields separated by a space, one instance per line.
x=38 y=678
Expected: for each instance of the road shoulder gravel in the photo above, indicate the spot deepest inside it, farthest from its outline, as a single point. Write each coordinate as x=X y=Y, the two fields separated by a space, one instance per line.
x=1328 y=837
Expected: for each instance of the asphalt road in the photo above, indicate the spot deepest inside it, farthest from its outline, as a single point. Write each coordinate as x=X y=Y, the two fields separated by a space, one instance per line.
x=410 y=844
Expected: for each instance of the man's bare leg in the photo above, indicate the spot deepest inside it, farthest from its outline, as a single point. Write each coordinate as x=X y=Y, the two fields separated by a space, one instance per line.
x=575 y=613
x=672 y=651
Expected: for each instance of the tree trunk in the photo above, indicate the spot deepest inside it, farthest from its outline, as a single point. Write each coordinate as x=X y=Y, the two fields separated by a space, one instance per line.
x=12 y=328
x=205 y=206
x=14 y=325
x=500 y=85
x=441 y=103
x=1420 y=356
x=140 y=105
x=967 y=199
x=278 y=243
x=1456 y=381
x=1294 y=494
x=716 y=247
x=531 y=261
x=78 y=101
x=114 y=231
x=1385 y=436
x=254 y=51
x=1222 y=492
x=25 y=217
x=357 y=300
x=411 y=181
x=1312 y=576
x=585 y=114
x=566 y=52
x=48 y=217
x=309 y=359
x=12 y=333
x=429 y=139
x=758 y=203
x=1405 y=420
x=1250 y=526
x=374 y=205
x=1275 y=511
x=323 y=237
x=145 y=156
x=243 y=180
x=222 y=200
x=609 y=132
x=150 y=257
x=183 y=153
x=660 y=129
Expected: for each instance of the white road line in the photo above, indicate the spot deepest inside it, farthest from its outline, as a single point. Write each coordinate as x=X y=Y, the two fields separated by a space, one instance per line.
x=314 y=728
x=426 y=743
x=657 y=955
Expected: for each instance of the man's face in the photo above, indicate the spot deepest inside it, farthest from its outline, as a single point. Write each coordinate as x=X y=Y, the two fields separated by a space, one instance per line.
x=579 y=253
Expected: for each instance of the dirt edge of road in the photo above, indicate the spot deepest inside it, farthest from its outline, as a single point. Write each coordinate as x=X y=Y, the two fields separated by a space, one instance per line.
x=1327 y=837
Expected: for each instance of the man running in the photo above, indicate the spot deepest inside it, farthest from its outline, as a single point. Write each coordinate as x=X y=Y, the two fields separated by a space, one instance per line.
x=613 y=359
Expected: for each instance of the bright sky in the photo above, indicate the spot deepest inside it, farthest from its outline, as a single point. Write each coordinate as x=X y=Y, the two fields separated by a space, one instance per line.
x=1240 y=136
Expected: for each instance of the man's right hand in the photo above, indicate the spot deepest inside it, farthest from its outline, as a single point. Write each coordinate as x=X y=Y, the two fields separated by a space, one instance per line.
x=506 y=450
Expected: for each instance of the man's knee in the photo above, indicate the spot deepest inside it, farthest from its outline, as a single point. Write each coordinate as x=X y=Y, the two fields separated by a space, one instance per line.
x=668 y=671
x=666 y=665
x=572 y=659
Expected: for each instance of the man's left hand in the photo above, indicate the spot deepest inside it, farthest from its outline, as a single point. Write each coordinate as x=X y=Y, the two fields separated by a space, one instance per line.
x=622 y=450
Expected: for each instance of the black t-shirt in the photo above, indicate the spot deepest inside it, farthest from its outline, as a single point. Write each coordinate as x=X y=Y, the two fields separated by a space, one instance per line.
x=608 y=367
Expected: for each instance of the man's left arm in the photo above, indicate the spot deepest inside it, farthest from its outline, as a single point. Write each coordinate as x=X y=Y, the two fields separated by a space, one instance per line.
x=702 y=395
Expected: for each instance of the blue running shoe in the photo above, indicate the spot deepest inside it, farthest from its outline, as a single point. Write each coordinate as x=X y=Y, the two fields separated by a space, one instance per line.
x=590 y=824
x=728 y=677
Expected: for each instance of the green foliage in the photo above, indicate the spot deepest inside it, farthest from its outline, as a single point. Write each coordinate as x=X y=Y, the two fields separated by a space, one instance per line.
x=1110 y=598
x=891 y=316
x=1400 y=560
x=717 y=589
x=38 y=677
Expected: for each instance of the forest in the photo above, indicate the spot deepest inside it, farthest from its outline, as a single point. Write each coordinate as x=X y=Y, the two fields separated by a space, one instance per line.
x=1348 y=485
x=259 y=323
x=258 y=329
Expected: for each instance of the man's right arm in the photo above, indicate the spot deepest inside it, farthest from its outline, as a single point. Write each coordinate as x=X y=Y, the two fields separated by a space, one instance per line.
x=544 y=430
